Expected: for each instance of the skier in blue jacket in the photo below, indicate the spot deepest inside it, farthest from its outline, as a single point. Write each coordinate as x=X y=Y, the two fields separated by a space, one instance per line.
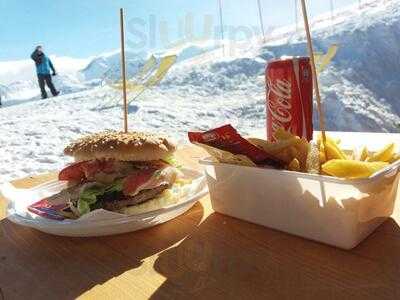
x=43 y=67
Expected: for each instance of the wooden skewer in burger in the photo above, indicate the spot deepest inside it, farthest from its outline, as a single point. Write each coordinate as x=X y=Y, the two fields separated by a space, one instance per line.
x=118 y=170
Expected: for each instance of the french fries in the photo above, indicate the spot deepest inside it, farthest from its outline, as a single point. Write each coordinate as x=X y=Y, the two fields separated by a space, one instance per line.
x=327 y=159
x=351 y=168
x=294 y=165
x=333 y=150
x=315 y=158
x=287 y=148
x=281 y=134
x=385 y=155
x=275 y=148
x=357 y=165
x=364 y=154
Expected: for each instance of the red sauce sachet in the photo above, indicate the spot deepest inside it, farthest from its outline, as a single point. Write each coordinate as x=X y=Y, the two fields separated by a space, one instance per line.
x=228 y=139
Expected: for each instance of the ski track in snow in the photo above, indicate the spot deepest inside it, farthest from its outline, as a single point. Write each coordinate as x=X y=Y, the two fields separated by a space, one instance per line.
x=204 y=90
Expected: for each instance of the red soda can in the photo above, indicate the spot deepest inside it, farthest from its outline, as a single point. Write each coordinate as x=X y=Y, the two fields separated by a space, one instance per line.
x=289 y=97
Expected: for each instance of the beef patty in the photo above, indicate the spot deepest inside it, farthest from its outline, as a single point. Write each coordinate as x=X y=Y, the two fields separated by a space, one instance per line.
x=142 y=196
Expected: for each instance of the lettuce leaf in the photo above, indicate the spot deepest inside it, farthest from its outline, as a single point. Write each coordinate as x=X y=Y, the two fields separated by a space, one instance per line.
x=88 y=195
x=171 y=160
x=116 y=186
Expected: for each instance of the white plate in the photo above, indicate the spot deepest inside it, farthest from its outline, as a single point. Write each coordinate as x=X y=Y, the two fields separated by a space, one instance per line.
x=99 y=222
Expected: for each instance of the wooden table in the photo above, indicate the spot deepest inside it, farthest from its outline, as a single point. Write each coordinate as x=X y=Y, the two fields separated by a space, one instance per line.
x=200 y=255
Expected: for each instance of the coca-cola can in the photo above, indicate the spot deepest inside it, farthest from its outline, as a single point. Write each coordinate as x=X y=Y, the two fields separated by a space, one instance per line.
x=289 y=97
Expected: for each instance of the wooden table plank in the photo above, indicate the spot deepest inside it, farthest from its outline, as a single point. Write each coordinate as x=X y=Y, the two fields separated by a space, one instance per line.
x=200 y=255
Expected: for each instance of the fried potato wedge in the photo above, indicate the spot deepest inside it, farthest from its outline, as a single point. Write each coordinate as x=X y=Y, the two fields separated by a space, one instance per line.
x=287 y=148
x=294 y=165
x=385 y=155
x=364 y=154
x=351 y=168
x=282 y=134
x=333 y=151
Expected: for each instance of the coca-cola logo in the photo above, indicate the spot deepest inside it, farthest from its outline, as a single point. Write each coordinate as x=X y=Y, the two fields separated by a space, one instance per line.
x=279 y=104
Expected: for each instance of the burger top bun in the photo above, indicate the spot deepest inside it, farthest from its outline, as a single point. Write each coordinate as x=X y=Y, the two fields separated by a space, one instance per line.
x=131 y=146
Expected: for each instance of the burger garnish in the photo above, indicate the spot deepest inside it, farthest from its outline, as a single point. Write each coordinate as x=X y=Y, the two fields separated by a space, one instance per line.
x=115 y=170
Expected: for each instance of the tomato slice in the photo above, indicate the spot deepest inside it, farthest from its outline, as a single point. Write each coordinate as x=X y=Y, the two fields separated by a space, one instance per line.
x=108 y=166
x=132 y=182
x=85 y=170
x=73 y=172
x=90 y=168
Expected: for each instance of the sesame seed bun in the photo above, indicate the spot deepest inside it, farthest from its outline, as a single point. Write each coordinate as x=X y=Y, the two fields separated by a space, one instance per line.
x=131 y=146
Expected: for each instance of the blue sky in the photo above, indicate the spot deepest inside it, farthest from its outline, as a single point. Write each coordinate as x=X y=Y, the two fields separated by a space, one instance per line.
x=81 y=28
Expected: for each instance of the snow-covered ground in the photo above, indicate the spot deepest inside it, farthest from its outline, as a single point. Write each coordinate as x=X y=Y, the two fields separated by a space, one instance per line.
x=204 y=89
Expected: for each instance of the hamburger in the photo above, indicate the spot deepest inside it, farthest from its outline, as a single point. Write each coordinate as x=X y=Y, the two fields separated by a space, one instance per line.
x=116 y=171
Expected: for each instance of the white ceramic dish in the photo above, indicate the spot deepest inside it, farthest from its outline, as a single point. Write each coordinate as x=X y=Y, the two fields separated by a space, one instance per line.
x=99 y=222
x=329 y=210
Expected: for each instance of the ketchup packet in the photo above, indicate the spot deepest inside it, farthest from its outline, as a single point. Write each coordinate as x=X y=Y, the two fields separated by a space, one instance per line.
x=54 y=208
x=228 y=139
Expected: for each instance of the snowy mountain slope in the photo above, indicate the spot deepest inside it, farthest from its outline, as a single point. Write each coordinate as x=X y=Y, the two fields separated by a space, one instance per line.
x=362 y=85
x=108 y=66
x=188 y=50
x=205 y=89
